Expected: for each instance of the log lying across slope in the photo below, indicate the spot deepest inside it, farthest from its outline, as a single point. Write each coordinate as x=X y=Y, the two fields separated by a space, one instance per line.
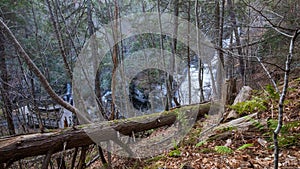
x=19 y=147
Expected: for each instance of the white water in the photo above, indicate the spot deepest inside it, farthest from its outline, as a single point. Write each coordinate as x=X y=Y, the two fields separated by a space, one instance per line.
x=195 y=89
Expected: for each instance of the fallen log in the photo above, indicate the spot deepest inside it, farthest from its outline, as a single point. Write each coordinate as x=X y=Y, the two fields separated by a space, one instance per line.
x=19 y=147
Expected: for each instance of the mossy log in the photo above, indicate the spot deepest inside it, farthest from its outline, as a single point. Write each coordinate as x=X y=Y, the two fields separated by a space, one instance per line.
x=18 y=147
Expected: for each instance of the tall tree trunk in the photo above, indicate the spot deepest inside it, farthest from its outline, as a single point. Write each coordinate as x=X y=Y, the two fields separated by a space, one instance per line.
x=36 y=32
x=216 y=22
x=5 y=87
x=221 y=31
x=115 y=59
x=59 y=38
x=91 y=29
x=189 y=57
x=219 y=16
x=90 y=18
x=35 y=105
x=200 y=71
x=283 y=95
x=237 y=38
x=162 y=55
x=170 y=85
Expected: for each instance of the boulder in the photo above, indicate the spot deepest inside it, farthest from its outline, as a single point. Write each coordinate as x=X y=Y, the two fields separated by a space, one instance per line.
x=244 y=95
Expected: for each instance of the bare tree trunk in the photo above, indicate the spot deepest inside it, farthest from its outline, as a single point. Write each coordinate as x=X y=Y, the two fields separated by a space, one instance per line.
x=5 y=87
x=97 y=79
x=221 y=31
x=237 y=38
x=220 y=18
x=32 y=67
x=98 y=94
x=81 y=163
x=91 y=30
x=59 y=39
x=115 y=59
x=61 y=163
x=90 y=18
x=67 y=30
x=35 y=106
x=188 y=55
x=217 y=28
x=44 y=60
x=74 y=158
x=170 y=85
x=283 y=95
x=168 y=101
x=229 y=68
x=47 y=159
x=200 y=73
x=102 y=157
x=230 y=59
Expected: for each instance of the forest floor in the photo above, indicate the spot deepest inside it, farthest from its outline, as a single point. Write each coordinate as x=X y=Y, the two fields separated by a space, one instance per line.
x=250 y=147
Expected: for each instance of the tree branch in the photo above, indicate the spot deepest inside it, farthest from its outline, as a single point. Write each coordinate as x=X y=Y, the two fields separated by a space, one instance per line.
x=275 y=27
x=32 y=67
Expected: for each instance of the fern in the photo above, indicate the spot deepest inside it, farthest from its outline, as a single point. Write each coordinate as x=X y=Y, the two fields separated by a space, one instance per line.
x=223 y=150
x=175 y=145
x=286 y=138
x=255 y=104
x=154 y=159
x=256 y=123
x=201 y=143
x=229 y=128
x=272 y=92
x=244 y=146
x=175 y=153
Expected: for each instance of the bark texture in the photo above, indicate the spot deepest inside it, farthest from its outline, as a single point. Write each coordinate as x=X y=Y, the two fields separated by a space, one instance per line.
x=19 y=147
